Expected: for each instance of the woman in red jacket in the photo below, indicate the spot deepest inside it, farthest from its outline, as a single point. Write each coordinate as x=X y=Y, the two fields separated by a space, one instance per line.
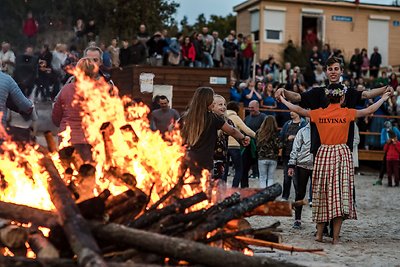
x=188 y=52
x=392 y=150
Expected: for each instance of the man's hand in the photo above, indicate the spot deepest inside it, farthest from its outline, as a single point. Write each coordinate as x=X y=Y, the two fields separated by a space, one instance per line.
x=279 y=92
x=290 y=171
x=389 y=89
x=246 y=141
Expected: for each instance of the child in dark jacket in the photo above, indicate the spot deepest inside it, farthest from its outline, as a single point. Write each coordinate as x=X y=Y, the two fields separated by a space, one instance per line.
x=392 y=150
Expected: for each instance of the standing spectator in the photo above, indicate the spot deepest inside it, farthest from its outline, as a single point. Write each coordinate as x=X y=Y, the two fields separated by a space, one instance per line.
x=249 y=156
x=164 y=118
x=143 y=36
x=300 y=166
x=92 y=32
x=239 y=64
x=355 y=63
x=250 y=93
x=45 y=73
x=188 y=52
x=218 y=50
x=67 y=112
x=230 y=53
x=392 y=150
x=319 y=74
x=30 y=28
x=79 y=30
x=365 y=62
x=26 y=70
x=57 y=63
x=268 y=101
x=199 y=52
x=315 y=57
x=156 y=46
x=286 y=74
x=199 y=129
x=287 y=135
x=310 y=39
x=7 y=59
x=248 y=49
x=375 y=63
x=326 y=53
x=124 y=52
x=174 y=54
x=113 y=49
x=11 y=96
x=137 y=52
x=234 y=146
x=290 y=52
x=208 y=50
x=107 y=63
x=267 y=143
x=235 y=94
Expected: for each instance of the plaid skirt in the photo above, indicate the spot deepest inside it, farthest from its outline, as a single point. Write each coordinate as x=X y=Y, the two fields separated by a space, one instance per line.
x=333 y=184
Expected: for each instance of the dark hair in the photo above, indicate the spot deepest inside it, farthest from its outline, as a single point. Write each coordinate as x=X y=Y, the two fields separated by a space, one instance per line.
x=332 y=60
x=233 y=105
x=391 y=134
x=163 y=97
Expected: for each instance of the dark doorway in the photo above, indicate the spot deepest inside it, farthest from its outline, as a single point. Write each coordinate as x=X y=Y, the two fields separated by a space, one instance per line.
x=309 y=32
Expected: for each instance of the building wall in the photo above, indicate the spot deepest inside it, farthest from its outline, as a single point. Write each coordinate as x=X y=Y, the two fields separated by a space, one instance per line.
x=342 y=35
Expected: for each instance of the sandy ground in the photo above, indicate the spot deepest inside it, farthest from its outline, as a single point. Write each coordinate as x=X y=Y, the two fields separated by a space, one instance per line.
x=372 y=240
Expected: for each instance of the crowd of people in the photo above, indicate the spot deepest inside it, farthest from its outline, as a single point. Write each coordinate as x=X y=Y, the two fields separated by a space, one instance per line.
x=211 y=128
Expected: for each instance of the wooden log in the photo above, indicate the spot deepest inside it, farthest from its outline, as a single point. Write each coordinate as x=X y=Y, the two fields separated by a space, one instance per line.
x=238 y=224
x=41 y=246
x=118 y=199
x=25 y=214
x=148 y=218
x=11 y=235
x=219 y=219
x=51 y=143
x=107 y=129
x=75 y=227
x=26 y=262
x=180 y=249
x=132 y=207
x=94 y=208
x=262 y=243
x=272 y=208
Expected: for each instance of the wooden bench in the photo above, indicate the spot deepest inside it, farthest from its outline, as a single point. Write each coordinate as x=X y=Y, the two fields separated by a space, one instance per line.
x=370 y=155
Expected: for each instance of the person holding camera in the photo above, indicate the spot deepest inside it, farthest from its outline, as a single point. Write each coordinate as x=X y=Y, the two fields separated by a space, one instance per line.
x=392 y=150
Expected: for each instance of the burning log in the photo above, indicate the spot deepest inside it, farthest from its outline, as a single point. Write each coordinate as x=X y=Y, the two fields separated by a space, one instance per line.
x=130 y=207
x=219 y=219
x=26 y=262
x=51 y=143
x=74 y=226
x=118 y=177
x=11 y=235
x=272 y=208
x=118 y=199
x=41 y=246
x=179 y=248
x=107 y=129
x=148 y=218
x=94 y=208
x=25 y=214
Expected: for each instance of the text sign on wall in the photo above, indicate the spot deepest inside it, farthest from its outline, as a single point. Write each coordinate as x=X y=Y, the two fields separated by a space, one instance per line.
x=218 y=80
x=342 y=18
x=396 y=23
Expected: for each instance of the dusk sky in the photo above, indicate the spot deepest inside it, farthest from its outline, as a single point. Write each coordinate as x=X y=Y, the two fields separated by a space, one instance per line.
x=193 y=8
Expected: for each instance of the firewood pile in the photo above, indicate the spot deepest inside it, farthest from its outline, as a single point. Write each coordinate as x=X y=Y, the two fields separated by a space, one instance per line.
x=124 y=230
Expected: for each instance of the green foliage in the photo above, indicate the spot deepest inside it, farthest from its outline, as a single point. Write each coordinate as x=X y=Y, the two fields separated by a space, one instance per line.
x=222 y=24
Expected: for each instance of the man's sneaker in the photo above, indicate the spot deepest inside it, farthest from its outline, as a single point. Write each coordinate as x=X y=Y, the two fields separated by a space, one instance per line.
x=297 y=224
x=378 y=182
x=310 y=204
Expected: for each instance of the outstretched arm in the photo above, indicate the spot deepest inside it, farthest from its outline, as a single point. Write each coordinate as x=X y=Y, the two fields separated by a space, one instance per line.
x=376 y=92
x=292 y=96
x=371 y=109
x=299 y=110
x=241 y=138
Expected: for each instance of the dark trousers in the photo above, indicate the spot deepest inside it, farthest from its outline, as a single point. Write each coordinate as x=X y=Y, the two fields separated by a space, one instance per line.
x=248 y=161
x=236 y=156
x=301 y=181
x=392 y=167
x=287 y=180
x=383 y=168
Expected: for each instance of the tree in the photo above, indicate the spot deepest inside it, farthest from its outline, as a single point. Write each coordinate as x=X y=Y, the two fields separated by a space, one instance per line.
x=223 y=25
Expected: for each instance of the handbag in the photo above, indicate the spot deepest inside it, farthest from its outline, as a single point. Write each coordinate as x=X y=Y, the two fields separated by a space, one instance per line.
x=174 y=59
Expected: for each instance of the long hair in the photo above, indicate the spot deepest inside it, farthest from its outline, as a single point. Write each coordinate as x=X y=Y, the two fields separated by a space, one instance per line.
x=267 y=129
x=195 y=118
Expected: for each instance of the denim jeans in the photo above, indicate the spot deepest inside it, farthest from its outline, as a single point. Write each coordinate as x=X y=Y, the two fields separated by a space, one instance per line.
x=267 y=168
x=236 y=156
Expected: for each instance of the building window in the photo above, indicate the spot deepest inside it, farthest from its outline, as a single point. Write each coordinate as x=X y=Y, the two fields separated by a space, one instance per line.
x=255 y=24
x=274 y=25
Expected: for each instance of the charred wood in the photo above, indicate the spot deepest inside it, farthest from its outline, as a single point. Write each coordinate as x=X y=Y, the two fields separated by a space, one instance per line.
x=75 y=227
x=51 y=143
